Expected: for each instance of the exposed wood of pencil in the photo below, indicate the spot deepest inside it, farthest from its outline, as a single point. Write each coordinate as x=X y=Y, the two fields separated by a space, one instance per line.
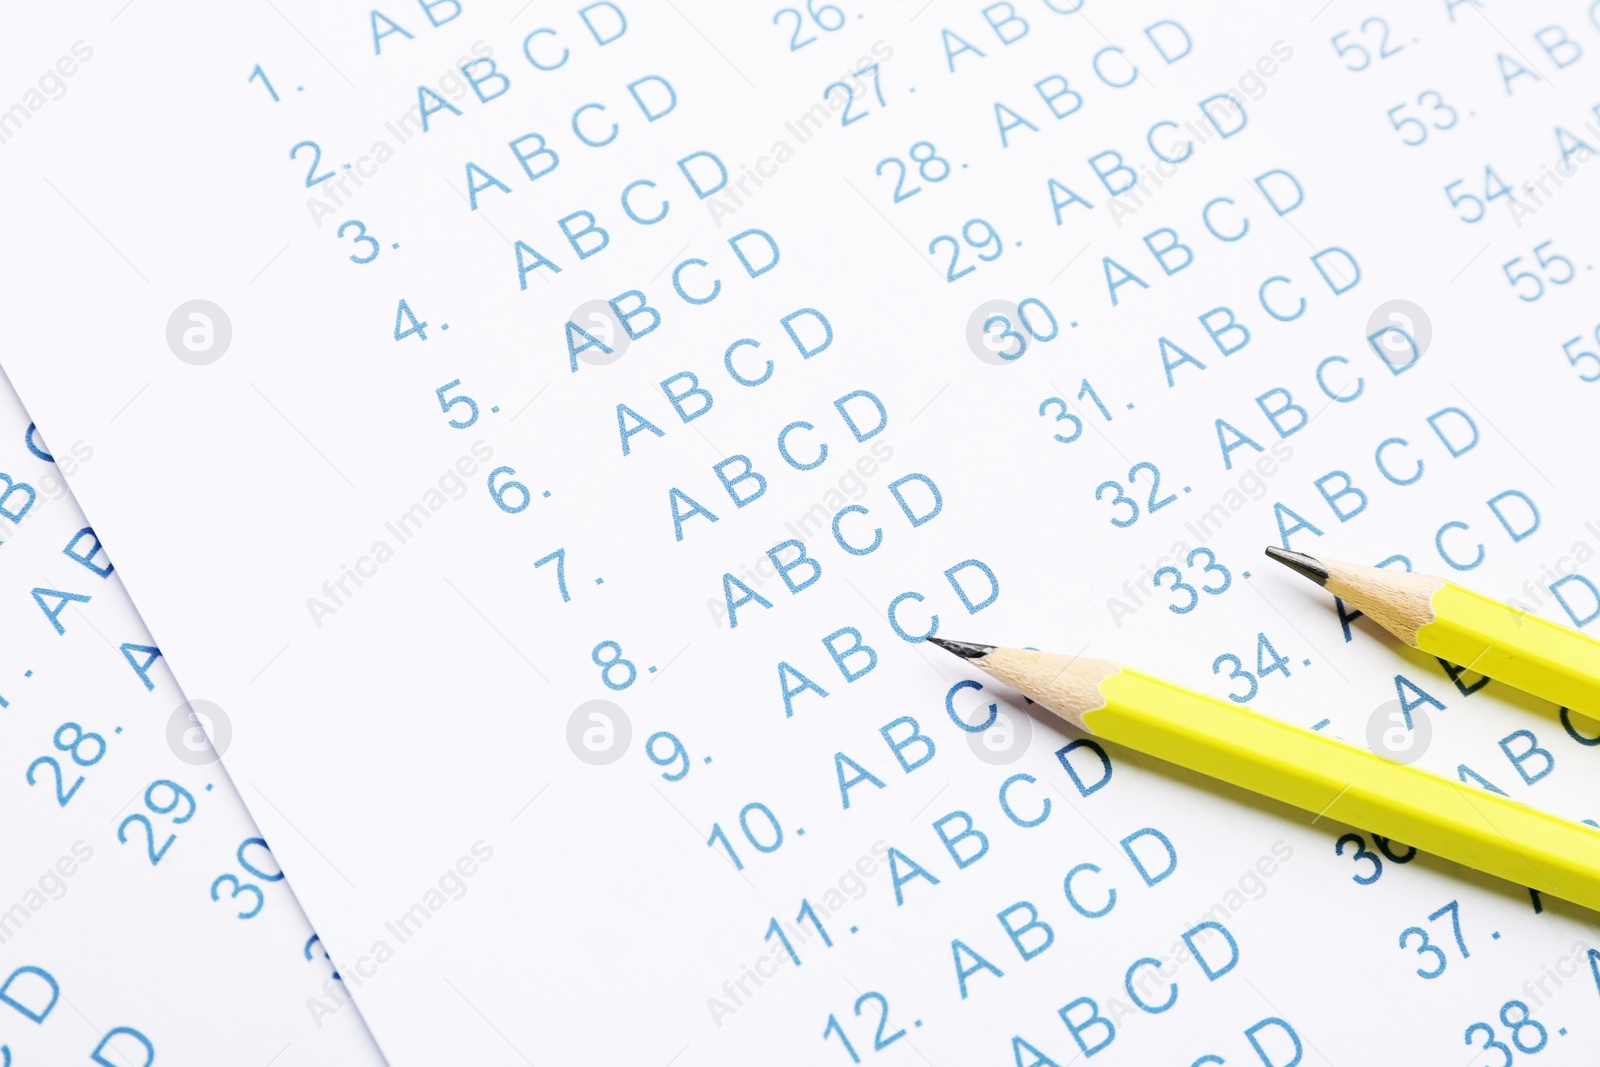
x=1398 y=601
x=1068 y=686
x=1492 y=637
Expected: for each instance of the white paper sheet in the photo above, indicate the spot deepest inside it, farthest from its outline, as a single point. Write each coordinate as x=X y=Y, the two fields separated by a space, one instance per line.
x=358 y=581
x=201 y=955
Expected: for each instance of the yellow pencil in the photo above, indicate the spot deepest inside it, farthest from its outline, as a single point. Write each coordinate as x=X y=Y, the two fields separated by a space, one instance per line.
x=1464 y=628
x=1316 y=773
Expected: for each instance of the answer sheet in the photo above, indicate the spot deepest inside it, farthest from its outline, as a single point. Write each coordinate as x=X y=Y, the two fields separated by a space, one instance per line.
x=550 y=433
x=144 y=920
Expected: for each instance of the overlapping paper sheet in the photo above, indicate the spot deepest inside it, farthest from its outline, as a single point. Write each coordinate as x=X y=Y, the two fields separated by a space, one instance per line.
x=412 y=444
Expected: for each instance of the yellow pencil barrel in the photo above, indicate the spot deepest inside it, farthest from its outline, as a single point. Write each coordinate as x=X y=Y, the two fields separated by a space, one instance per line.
x=1514 y=647
x=1350 y=785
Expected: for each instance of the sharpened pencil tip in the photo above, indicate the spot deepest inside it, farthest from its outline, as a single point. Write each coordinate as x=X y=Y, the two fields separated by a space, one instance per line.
x=1301 y=564
x=964 y=649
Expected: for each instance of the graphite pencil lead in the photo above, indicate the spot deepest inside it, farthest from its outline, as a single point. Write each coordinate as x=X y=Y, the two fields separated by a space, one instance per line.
x=1302 y=564
x=964 y=649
